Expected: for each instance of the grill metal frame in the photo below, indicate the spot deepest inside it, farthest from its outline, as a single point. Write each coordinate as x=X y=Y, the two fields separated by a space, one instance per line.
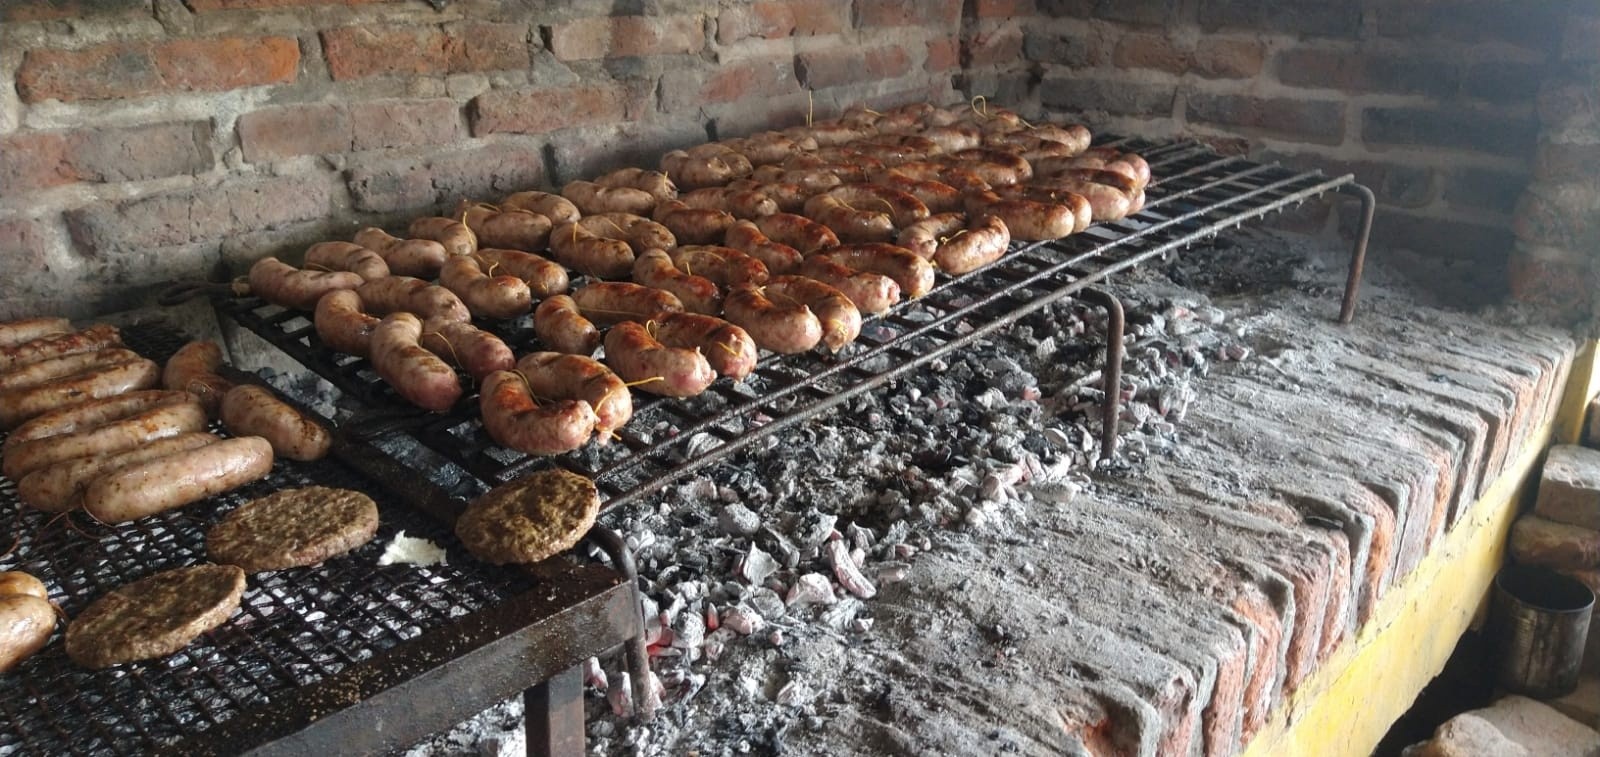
x=1197 y=194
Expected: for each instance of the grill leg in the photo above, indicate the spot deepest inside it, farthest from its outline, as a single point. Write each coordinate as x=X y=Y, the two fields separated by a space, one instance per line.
x=554 y=714
x=637 y=656
x=1111 y=406
x=1358 y=256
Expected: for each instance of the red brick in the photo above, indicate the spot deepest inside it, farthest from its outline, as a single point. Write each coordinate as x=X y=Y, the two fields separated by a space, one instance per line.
x=1071 y=49
x=1003 y=8
x=1460 y=128
x=404 y=123
x=1560 y=285
x=1305 y=120
x=33 y=161
x=1558 y=162
x=778 y=20
x=762 y=77
x=536 y=111
x=49 y=10
x=1228 y=58
x=1538 y=541
x=944 y=53
x=993 y=48
x=190 y=215
x=356 y=52
x=1533 y=26
x=627 y=37
x=487 y=174
x=289 y=130
x=847 y=65
x=1154 y=51
x=1361 y=71
x=120 y=70
x=200 y=6
x=934 y=15
x=1080 y=94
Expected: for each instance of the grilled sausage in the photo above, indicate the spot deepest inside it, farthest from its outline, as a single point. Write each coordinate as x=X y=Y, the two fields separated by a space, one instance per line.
x=653 y=367
x=997 y=167
x=553 y=375
x=936 y=196
x=415 y=373
x=515 y=229
x=558 y=209
x=516 y=420
x=575 y=247
x=1106 y=202
x=963 y=179
x=544 y=277
x=697 y=293
x=193 y=369
x=454 y=235
x=746 y=237
x=562 y=327
x=811 y=181
x=798 y=232
x=128 y=375
x=925 y=236
x=768 y=147
x=1080 y=207
x=639 y=232
x=903 y=208
x=487 y=296
x=786 y=197
x=250 y=410
x=13 y=333
x=405 y=257
x=27 y=622
x=614 y=302
x=405 y=294
x=695 y=172
x=850 y=223
x=478 y=352
x=728 y=348
x=783 y=326
x=92 y=414
x=693 y=225
x=345 y=256
x=342 y=322
x=594 y=199
x=178 y=479
x=954 y=137
x=282 y=284
x=873 y=293
x=974 y=247
x=655 y=183
x=157 y=421
x=740 y=202
x=724 y=265
x=913 y=274
x=45 y=371
x=839 y=317
x=58 y=487
x=1027 y=220
x=97 y=337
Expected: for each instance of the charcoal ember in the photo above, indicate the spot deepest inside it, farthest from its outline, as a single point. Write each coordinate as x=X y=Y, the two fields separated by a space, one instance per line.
x=811 y=588
x=689 y=631
x=738 y=520
x=847 y=571
x=767 y=603
x=742 y=620
x=593 y=674
x=813 y=528
x=756 y=566
x=860 y=536
x=716 y=643
x=620 y=696
x=785 y=551
x=842 y=615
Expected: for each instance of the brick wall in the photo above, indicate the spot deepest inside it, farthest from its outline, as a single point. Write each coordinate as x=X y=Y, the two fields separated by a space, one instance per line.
x=1432 y=104
x=145 y=141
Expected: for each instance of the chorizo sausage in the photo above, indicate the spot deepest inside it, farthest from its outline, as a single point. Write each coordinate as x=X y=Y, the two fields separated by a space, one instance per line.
x=478 y=352
x=178 y=479
x=28 y=622
x=798 y=232
x=13 y=333
x=937 y=196
x=839 y=317
x=655 y=183
x=593 y=199
x=342 y=322
x=558 y=209
x=654 y=367
x=962 y=179
x=58 y=487
x=515 y=229
x=693 y=225
x=516 y=420
x=739 y=202
x=97 y=337
x=282 y=284
x=974 y=247
x=404 y=294
x=93 y=413
x=786 y=197
x=639 y=232
x=544 y=277
x=1027 y=220
x=554 y=375
x=250 y=410
x=724 y=265
x=912 y=273
x=903 y=207
x=783 y=326
x=158 y=421
x=873 y=293
x=727 y=348
x=45 y=371
x=850 y=223
x=346 y=256
x=747 y=238
x=498 y=297
x=996 y=167
x=696 y=172
x=561 y=327
x=193 y=369
x=697 y=293
x=811 y=181
x=128 y=375
x=415 y=373
x=586 y=252
x=405 y=257
x=611 y=302
x=454 y=235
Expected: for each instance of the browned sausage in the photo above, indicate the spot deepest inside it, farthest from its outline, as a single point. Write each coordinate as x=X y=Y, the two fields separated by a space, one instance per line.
x=783 y=326
x=614 y=302
x=767 y=147
x=153 y=422
x=1106 y=202
x=405 y=257
x=345 y=256
x=593 y=199
x=178 y=479
x=925 y=236
x=850 y=223
x=454 y=235
x=1028 y=220
x=739 y=202
x=415 y=373
x=558 y=209
x=954 y=137
x=45 y=371
x=746 y=237
x=840 y=318
x=94 y=413
x=727 y=348
x=487 y=296
x=1051 y=194
x=811 y=181
x=342 y=322
x=1075 y=136
x=996 y=167
x=193 y=369
x=58 y=487
x=693 y=225
x=561 y=327
x=477 y=351
x=903 y=207
x=586 y=252
x=695 y=172
x=515 y=229
x=128 y=375
x=250 y=410
x=786 y=197
x=937 y=197
x=544 y=277
x=282 y=284
x=28 y=622
x=873 y=293
x=553 y=375
x=97 y=337
x=913 y=274
x=974 y=247
x=826 y=133
x=13 y=333
x=405 y=294
x=962 y=179
x=650 y=366
x=516 y=420
x=655 y=183
x=724 y=265
x=639 y=232
x=697 y=293
x=798 y=232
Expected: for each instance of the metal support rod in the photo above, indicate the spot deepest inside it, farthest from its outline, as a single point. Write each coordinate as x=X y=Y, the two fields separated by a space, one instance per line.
x=638 y=658
x=1358 y=256
x=1111 y=405
x=553 y=711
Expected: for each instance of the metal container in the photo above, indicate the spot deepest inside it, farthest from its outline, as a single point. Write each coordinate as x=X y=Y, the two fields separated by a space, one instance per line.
x=1538 y=623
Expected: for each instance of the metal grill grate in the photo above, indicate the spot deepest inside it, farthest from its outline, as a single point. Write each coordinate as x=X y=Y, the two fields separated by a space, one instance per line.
x=1196 y=194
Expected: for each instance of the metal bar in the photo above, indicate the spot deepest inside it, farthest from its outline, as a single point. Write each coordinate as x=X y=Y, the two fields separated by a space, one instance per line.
x=638 y=657
x=553 y=712
x=1358 y=255
x=1111 y=402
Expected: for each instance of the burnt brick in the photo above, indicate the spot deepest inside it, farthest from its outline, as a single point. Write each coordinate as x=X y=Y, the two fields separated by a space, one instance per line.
x=1006 y=87
x=992 y=48
x=379 y=124
x=191 y=215
x=1070 y=49
x=627 y=37
x=1147 y=12
x=1154 y=51
x=1561 y=285
x=1122 y=98
x=1306 y=120
x=1484 y=189
x=1311 y=17
x=1066 y=8
x=1531 y=25
x=691 y=89
x=1569 y=486
x=33 y=161
x=1560 y=215
x=290 y=130
x=944 y=53
x=1228 y=58
x=1359 y=71
x=120 y=70
x=1538 y=541
x=841 y=66
x=1503 y=82
x=1558 y=162
x=778 y=20
x=356 y=52
x=1459 y=128
x=406 y=184
x=1003 y=9
x=935 y=15
x=50 y=10
x=536 y=111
